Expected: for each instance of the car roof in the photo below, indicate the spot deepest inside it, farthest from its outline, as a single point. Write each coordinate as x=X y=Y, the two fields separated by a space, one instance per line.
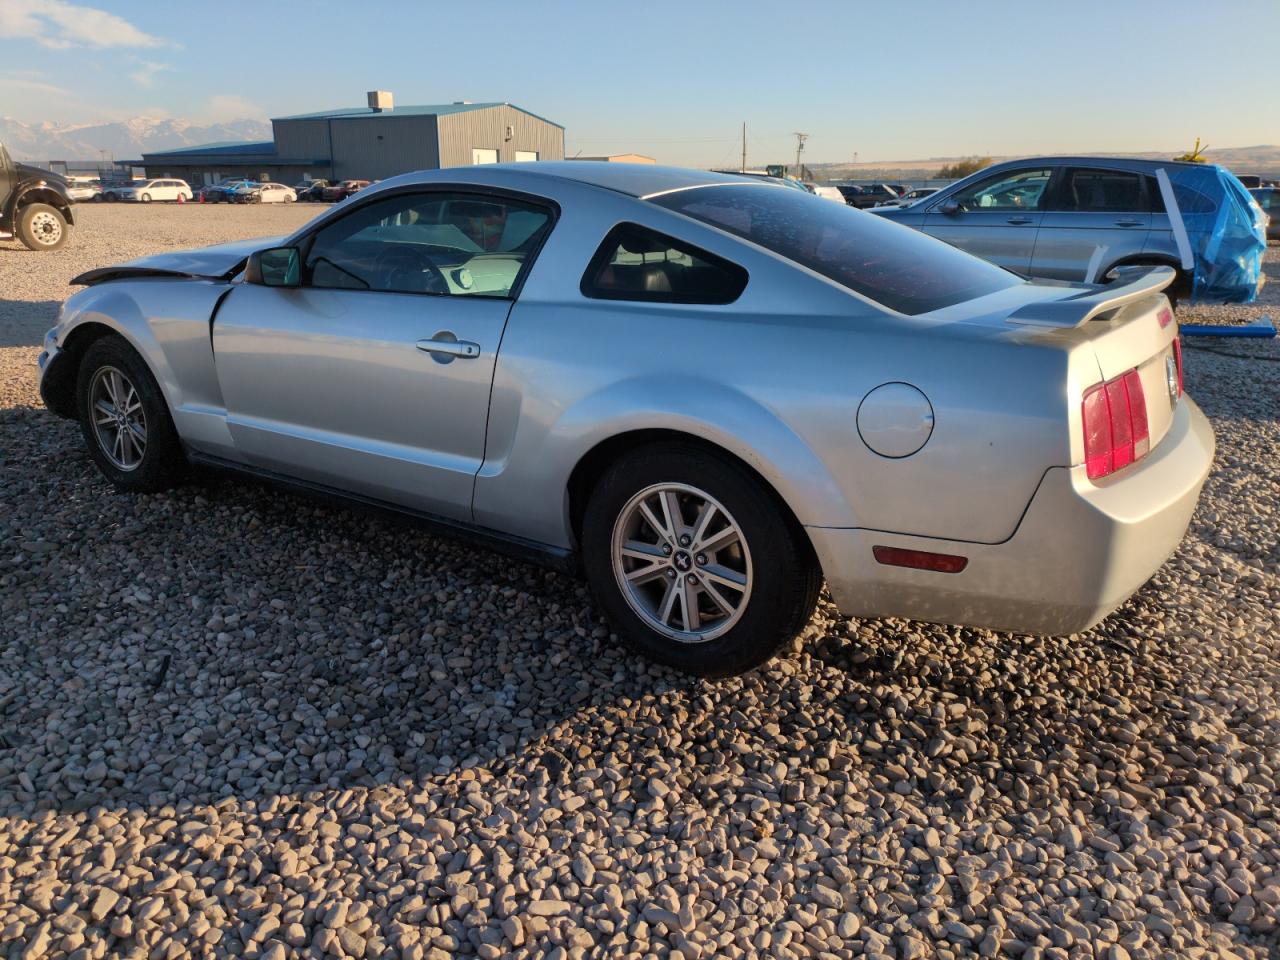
x=632 y=179
x=1137 y=162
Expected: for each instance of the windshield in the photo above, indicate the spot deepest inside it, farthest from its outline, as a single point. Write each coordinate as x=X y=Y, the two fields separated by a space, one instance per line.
x=895 y=266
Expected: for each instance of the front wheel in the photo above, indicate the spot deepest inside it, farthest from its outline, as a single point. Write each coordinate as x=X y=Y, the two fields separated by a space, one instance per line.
x=125 y=419
x=146 y=198
x=696 y=563
x=42 y=227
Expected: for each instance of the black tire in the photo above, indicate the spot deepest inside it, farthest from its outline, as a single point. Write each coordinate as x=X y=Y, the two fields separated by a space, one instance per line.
x=162 y=462
x=785 y=576
x=42 y=228
x=145 y=198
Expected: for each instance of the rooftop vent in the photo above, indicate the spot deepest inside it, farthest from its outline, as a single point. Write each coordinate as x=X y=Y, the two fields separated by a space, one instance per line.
x=380 y=100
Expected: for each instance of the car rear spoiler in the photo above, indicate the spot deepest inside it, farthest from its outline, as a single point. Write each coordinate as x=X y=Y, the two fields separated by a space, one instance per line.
x=1132 y=285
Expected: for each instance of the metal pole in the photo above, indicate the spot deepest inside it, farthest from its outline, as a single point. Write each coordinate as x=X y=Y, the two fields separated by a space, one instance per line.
x=800 y=139
x=744 y=146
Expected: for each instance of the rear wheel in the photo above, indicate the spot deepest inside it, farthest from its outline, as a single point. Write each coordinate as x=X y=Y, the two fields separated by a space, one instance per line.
x=125 y=420
x=42 y=227
x=695 y=562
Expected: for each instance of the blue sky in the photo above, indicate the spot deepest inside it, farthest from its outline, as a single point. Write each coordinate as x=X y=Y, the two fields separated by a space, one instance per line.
x=677 y=79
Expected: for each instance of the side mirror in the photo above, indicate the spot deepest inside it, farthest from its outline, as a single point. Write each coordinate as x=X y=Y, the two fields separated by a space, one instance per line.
x=279 y=267
x=950 y=208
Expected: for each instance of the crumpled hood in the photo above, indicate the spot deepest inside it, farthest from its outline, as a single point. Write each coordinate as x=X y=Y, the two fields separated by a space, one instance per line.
x=219 y=262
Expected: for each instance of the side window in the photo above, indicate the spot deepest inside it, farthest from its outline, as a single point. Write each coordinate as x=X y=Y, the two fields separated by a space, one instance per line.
x=1101 y=191
x=636 y=263
x=445 y=244
x=1019 y=190
x=1189 y=200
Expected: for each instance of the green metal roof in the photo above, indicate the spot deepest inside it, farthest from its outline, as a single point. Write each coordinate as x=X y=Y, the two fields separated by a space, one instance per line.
x=419 y=110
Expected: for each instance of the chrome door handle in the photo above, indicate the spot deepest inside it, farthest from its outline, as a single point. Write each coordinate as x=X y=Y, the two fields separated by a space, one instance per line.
x=1128 y=223
x=443 y=345
x=1019 y=220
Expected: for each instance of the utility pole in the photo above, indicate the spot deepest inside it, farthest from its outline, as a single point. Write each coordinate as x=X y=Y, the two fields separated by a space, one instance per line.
x=744 y=146
x=800 y=139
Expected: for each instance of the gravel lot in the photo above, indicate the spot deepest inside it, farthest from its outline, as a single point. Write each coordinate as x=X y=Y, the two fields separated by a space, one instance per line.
x=235 y=723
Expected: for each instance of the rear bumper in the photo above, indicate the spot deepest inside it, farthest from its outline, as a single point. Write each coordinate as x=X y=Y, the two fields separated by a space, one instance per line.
x=1081 y=550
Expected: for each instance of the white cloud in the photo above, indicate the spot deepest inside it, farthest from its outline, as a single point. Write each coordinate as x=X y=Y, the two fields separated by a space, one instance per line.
x=146 y=71
x=31 y=84
x=228 y=106
x=58 y=25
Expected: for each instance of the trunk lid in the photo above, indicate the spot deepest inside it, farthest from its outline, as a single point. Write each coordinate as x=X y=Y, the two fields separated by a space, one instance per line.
x=1107 y=330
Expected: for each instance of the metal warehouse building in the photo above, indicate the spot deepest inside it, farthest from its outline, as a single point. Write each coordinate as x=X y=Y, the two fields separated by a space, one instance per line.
x=370 y=143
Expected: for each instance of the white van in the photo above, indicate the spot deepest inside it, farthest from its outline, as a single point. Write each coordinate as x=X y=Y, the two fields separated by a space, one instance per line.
x=147 y=190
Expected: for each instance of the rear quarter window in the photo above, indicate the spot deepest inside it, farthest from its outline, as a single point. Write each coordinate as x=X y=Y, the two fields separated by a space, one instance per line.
x=636 y=263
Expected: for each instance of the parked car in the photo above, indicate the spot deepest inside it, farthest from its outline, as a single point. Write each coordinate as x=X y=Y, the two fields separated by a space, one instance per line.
x=309 y=190
x=34 y=205
x=827 y=193
x=84 y=189
x=265 y=193
x=114 y=191
x=146 y=191
x=624 y=395
x=864 y=196
x=1079 y=218
x=910 y=197
x=342 y=189
x=223 y=192
x=1268 y=198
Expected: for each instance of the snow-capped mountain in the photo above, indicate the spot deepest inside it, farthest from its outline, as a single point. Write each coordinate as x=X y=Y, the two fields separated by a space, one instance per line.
x=126 y=139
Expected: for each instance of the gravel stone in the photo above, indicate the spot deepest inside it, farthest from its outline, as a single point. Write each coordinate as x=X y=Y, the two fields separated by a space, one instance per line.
x=235 y=722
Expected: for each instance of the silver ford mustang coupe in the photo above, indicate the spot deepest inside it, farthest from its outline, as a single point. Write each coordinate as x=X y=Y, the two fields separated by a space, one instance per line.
x=706 y=394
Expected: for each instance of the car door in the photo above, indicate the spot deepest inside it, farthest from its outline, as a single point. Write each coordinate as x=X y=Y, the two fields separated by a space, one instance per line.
x=373 y=374
x=1094 y=217
x=996 y=218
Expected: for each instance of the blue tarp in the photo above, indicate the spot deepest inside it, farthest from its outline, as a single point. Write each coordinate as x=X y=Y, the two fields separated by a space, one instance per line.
x=1225 y=230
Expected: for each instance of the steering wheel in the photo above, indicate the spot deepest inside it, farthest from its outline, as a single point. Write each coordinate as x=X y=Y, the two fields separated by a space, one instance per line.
x=408 y=270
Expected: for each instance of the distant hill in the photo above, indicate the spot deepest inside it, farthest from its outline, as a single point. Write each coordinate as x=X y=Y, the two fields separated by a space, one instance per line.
x=1263 y=160
x=126 y=139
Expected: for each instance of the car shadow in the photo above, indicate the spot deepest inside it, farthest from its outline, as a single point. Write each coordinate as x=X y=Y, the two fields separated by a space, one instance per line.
x=330 y=648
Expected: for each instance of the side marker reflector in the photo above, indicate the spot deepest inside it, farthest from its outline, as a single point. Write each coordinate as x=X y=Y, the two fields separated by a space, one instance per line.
x=919 y=559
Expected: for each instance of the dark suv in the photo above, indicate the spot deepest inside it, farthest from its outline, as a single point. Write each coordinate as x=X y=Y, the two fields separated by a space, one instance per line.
x=34 y=205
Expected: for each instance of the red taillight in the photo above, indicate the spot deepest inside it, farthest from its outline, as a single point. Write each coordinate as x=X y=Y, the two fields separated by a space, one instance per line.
x=919 y=559
x=1114 y=416
x=1177 y=359
x=1165 y=316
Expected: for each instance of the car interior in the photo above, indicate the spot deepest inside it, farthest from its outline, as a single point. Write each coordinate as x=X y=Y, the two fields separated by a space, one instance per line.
x=638 y=264
x=434 y=245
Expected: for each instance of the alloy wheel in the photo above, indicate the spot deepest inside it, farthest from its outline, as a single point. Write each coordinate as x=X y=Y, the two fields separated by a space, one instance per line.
x=682 y=562
x=119 y=423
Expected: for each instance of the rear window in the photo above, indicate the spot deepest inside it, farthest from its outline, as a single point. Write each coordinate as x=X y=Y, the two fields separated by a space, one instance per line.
x=895 y=266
